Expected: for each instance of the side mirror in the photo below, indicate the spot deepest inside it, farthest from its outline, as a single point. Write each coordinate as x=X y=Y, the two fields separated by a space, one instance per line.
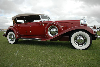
x=41 y=22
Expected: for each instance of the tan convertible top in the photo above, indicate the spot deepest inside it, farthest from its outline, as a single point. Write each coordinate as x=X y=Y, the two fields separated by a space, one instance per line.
x=26 y=14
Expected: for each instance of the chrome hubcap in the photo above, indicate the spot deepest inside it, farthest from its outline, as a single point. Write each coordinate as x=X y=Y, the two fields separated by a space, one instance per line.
x=80 y=40
x=11 y=37
x=52 y=30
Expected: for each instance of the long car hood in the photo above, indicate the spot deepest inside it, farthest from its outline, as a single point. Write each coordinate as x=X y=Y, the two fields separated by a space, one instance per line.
x=68 y=21
x=64 y=21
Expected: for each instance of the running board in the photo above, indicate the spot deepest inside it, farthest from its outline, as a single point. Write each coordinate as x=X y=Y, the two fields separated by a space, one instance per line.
x=30 y=39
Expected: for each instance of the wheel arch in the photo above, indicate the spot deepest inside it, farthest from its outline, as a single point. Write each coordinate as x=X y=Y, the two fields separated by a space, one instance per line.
x=10 y=30
x=11 y=40
x=69 y=33
x=84 y=43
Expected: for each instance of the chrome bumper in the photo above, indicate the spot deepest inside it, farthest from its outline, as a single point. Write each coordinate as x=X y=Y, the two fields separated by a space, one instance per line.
x=98 y=37
x=4 y=34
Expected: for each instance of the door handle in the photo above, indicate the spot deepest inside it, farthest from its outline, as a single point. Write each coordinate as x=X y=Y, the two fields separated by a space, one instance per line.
x=18 y=25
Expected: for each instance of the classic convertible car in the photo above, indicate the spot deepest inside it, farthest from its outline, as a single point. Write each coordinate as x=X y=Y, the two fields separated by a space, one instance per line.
x=40 y=27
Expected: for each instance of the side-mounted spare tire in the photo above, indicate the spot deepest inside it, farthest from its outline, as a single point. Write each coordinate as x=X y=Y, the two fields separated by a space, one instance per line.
x=81 y=40
x=11 y=38
x=52 y=30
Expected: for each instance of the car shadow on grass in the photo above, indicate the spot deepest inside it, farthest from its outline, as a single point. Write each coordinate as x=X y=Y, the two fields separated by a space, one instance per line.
x=46 y=43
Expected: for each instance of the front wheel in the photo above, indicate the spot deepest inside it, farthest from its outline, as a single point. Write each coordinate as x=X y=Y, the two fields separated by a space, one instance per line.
x=11 y=38
x=81 y=40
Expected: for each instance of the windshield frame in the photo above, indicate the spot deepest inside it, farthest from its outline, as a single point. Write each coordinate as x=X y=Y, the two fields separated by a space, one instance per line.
x=46 y=19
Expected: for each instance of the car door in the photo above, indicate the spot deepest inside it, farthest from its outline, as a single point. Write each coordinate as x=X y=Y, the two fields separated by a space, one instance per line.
x=37 y=29
x=24 y=28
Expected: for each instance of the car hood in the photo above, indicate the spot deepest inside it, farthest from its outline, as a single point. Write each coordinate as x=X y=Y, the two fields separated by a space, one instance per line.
x=72 y=21
x=61 y=21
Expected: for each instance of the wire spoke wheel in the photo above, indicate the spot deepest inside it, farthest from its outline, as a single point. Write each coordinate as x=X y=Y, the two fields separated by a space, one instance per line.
x=52 y=30
x=81 y=40
x=11 y=38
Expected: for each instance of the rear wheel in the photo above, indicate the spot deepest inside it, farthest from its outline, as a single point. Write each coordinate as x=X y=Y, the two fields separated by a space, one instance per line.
x=11 y=38
x=81 y=40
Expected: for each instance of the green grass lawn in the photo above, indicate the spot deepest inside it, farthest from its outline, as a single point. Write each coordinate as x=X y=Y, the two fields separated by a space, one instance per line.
x=47 y=54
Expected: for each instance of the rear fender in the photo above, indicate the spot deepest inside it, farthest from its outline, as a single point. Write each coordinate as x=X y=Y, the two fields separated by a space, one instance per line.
x=14 y=30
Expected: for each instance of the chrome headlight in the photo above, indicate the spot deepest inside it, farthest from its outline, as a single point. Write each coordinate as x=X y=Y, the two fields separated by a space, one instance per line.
x=83 y=21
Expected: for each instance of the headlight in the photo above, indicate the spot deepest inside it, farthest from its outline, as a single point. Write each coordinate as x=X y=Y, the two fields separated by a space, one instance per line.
x=83 y=21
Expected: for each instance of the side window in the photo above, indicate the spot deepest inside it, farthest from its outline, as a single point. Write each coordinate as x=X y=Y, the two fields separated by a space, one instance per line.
x=36 y=20
x=20 y=21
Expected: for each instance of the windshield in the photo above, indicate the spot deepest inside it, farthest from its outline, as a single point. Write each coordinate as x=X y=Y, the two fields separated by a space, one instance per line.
x=45 y=18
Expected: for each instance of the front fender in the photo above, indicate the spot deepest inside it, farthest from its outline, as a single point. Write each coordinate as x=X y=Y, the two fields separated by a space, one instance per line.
x=81 y=28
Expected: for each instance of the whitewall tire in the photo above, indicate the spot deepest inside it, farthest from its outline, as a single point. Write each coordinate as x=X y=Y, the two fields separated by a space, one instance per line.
x=11 y=38
x=81 y=40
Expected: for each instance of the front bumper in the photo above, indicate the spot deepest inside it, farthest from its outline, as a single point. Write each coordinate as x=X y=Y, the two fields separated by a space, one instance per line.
x=95 y=37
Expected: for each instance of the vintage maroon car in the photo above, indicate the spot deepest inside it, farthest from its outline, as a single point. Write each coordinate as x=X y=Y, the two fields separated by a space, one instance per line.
x=40 y=27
